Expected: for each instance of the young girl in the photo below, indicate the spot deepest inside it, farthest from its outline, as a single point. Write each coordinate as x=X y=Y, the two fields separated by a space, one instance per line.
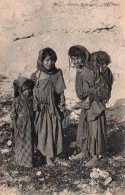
x=91 y=134
x=22 y=122
x=49 y=104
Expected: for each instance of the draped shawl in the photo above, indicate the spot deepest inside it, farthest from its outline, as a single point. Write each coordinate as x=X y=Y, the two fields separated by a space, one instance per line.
x=83 y=86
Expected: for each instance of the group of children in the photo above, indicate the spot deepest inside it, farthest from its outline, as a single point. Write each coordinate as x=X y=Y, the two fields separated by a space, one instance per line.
x=39 y=106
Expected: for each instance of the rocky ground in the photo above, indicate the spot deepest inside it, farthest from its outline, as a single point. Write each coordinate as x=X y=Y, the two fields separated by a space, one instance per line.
x=67 y=177
x=25 y=28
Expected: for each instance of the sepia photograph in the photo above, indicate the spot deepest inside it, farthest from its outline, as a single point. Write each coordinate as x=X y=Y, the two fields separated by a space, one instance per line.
x=62 y=97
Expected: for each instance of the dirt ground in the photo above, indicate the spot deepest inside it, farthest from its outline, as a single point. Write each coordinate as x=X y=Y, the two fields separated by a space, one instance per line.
x=27 y=26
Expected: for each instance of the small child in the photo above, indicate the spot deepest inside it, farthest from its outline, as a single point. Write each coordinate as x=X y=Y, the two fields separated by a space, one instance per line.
x=98 y=93
x=104 y=60
x=49 y=105
x=22 y=122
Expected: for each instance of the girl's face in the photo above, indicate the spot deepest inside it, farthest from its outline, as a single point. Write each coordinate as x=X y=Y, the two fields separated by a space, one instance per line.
x=27 y=92
x=77 y=61
x=48 y=63
x=102 y=67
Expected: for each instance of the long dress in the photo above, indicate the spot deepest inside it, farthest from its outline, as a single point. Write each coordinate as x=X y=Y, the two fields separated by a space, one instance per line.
x=22 y=122
x=48 y=95
x=91 y=134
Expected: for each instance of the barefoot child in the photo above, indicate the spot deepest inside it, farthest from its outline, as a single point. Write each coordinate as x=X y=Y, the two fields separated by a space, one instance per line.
x=92 y=91
x=49 y=104
x=22 y=122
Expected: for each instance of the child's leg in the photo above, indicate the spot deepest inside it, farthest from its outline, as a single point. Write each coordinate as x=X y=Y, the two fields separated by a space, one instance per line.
x=78 y=156
x=93 y=161
x=49 y=161
x=95 y=156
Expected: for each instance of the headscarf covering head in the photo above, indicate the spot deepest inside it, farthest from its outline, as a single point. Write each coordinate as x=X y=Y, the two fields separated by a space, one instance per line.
x=25 y=83
x=81 y=51
x=46 y=52
x=42 y=55
x=77 y=52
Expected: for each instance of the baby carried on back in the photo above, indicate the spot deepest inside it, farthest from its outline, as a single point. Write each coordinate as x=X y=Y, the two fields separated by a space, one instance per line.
x=98 y=93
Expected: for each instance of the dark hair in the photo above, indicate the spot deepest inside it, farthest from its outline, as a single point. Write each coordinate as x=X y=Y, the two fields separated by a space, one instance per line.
x=18 y=89
x=50 y=52
x=76 y=52
x=102 y=57
x=29 y=84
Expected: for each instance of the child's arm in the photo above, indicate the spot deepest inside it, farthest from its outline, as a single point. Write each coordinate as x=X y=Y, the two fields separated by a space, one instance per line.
x=62 y=102
x=99 y=91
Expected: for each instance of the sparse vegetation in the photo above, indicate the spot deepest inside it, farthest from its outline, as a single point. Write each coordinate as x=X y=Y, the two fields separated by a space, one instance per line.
x=72 y=179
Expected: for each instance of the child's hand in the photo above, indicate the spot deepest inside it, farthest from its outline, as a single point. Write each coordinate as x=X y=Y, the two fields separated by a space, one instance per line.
x=78 y=69
x=86 y=104
x=87 y=100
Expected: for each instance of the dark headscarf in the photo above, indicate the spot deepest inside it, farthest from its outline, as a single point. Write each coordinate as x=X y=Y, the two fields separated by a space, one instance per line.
x=42 y=54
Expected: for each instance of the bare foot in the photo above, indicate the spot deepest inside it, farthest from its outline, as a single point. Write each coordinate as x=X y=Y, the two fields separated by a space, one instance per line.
x=73 y=144
x=63 y=163
x=92 y=162
x=78 y=156
x=49 y=161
